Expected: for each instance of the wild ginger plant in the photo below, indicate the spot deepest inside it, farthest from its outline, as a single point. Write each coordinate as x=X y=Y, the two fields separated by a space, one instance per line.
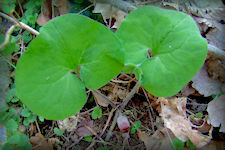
x=163 y=48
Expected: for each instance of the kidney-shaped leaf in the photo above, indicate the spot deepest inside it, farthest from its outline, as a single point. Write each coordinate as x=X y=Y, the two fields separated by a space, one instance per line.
x=68 y=47
x=173 y=41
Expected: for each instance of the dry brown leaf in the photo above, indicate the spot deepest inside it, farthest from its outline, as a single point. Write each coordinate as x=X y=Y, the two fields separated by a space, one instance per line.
x=186 y=91
x=69 y=124
x=205 y=85
x=108 y=11
x=82 y=128
x=40 y=143
x=158 y=141
x=101 y=100
x=174 y=117
x=45 y=14
x=216 y=110
x=216 y=36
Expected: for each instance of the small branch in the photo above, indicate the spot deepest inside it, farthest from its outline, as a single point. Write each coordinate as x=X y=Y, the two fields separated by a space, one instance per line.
x=20 y=24
x=85 y=9
x=130 y=95
x=107 y=122
x=7 y=37
x=109 y=134
x=39 y=131
x=150 y=112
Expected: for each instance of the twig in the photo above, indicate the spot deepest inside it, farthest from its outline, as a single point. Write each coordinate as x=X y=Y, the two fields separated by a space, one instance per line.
x=20 y=7
x=7 y=37
x=110 y=18
x=91 y=145
x=93 y=132
x=85 y=9
x=120 y=81
x=107 y=122
x=20 y=24
x=150 y=112
x=130 y=95
x=39 y=131
x=109 y=134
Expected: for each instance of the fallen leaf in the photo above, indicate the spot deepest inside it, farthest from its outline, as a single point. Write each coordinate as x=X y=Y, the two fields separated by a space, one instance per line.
x=69 y=124
x=174 y=117
x=101 y=99
x=216 y=110
x=40 y=143
x=82 y=129
x=216 y=66
x=205 y=85
x=158 y=141
x=108 y=11
x=186 y=91
x=215 y=36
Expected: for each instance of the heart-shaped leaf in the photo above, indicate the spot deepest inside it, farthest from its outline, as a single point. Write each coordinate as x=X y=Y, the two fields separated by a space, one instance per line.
x=173 y=42
x=68 y=47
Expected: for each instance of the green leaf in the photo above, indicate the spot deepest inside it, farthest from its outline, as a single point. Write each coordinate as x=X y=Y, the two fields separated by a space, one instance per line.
x=68 y=47
x=26 y=112
x=11 y=94
x=177 y=144
x=132 y=129
x=96 y=113
x=41 y=118
x=11 y=126
x=172 y=38
x=19 y=141
x=11 y=111
x=8 y=8
x=190 y=144
x=29 y=120
x=27 y=37
x=137 y=126
x=58 y=132
x=199 y=115
x=88 y=138
x=12 y=46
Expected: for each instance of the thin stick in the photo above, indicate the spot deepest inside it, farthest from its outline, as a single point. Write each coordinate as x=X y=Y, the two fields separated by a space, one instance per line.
x=107 y=122
x=93 y=132
x=85 y=9
x=39 y=131
x=109 y=134
x=7 y=37
x=20 y=24
x=20 y=7
x=110 y=19
x=130 y=95
x=150 y=112
x=120 y=81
